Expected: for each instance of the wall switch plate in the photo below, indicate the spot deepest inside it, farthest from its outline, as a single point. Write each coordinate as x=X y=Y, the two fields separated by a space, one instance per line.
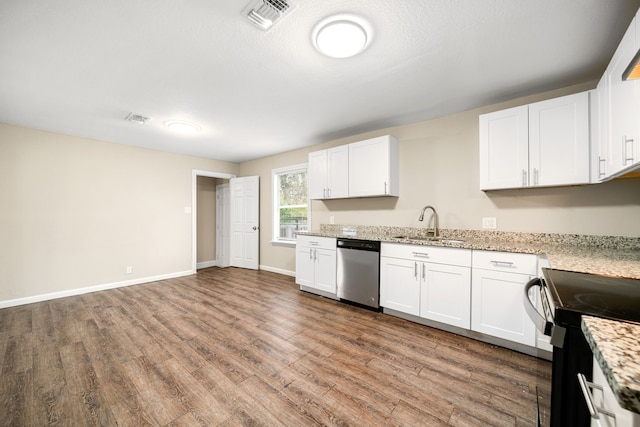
x=489 y=223
x=129 y=269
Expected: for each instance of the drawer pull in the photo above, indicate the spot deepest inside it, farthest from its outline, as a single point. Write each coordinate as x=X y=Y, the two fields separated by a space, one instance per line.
x=420 y=254
x=594 y=410
x=506 y=264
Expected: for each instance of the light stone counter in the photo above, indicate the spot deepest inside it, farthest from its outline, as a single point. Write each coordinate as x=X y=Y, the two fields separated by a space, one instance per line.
x=616 y=347
x=605 y=255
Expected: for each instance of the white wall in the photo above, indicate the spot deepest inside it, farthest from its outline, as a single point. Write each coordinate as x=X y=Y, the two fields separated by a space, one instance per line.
x=439 y=167
x=76 y=212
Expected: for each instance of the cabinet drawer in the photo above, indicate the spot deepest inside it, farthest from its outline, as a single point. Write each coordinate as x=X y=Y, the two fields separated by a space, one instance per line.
x=505 y=261
x=317 y=242
x=450 y=256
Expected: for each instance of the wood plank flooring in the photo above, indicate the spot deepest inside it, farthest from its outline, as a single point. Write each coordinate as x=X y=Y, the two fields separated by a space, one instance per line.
x=233 y=347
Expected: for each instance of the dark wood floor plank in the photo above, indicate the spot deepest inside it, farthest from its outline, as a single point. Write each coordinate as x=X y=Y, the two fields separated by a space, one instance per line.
x=156 y=396
x=234 y=347
x=85 y=400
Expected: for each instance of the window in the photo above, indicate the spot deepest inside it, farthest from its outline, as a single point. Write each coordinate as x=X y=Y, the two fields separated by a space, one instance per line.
x=290 y=203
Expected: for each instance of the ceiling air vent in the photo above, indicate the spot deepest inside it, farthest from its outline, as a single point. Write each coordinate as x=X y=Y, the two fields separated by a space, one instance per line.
x=137 y=118
x=265 y=13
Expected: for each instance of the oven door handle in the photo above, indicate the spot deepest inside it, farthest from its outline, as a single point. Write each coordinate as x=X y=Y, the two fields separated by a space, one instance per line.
x=544 y=322
x=541 y=322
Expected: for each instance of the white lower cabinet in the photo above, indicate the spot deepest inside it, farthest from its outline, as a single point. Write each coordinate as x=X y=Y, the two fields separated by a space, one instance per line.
x=497 y=283
x=445 y=294
x=608 y=412
x=316 y=263
x=399 y=285
x=430 y=282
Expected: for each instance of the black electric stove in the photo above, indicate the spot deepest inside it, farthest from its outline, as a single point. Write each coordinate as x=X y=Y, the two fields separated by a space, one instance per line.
x=594 y=295
x=566 y=297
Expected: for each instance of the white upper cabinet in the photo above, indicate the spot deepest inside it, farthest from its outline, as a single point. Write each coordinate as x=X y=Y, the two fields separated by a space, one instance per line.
x=540 y=144
x=328 y=173
x=623 y=99
x=373 y=167
x=504 y=148
x=362 y=169
x=599 y=117
x=559 y=141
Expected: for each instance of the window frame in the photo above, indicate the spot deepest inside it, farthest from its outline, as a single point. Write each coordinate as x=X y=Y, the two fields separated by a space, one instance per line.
x=275 y=200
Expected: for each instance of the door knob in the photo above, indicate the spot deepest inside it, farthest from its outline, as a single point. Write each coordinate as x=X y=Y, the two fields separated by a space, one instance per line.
x=254 y=228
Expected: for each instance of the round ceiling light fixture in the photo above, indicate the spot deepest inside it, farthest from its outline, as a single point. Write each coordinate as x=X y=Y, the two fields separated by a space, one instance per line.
x=180 y=126
x=342 y=36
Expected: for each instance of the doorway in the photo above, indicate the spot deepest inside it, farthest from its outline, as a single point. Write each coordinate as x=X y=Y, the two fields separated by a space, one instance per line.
x=243 y=213
x=204 y=225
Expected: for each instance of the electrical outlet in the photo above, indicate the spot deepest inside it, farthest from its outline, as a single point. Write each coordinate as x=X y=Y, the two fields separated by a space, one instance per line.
x=187 y=209
x=129 y=269
x=332 y=219
x=489 y=223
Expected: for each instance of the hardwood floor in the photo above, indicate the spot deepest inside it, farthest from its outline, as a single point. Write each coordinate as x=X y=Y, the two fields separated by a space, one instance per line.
x=231 y=347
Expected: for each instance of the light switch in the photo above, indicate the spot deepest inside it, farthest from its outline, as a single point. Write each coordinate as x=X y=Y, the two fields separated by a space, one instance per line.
x=187 y=209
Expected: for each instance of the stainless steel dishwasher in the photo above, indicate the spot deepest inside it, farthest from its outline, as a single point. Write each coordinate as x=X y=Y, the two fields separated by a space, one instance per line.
x=359 y=272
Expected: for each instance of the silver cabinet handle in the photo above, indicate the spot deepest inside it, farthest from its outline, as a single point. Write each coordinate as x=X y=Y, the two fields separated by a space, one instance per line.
x=415 y=270
x=535 y=176
x=594 y=410
x=503 y=264
x=310 y=254
x=524 y=178
x=329 y=193
x=601 y=169
x=315 y=254
x=385 y=187
x=627 y=147
x=420 y=254
x=424 y=268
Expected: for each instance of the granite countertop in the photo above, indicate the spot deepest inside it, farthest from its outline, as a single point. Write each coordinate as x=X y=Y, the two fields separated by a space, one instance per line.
x=616 y=348
x=606 y=255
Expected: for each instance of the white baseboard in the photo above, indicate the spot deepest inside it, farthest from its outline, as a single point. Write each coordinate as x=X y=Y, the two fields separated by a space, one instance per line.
x=80 y=291
x=278 y=270
x=207 y=264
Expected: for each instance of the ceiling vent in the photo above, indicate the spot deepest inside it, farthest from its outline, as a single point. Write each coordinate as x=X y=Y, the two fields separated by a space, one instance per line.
x=137 y=118
x=265 y=13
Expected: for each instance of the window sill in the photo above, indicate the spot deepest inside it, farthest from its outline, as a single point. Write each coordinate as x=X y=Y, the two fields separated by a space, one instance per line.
x=284 y=243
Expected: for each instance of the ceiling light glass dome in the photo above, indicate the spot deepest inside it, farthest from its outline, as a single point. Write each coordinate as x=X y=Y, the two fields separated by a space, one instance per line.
x=341 y=36
x=182 y=127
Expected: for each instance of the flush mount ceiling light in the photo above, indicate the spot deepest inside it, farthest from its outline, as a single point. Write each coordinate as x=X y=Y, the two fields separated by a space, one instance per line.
x=342 y=36
x=182 y=127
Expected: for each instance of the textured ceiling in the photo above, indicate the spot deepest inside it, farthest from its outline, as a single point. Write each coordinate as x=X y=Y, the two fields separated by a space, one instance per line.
x=79 y=67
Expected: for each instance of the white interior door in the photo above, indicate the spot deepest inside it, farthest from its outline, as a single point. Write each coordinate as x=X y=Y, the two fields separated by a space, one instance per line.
x=245 y=222
x=223 y=225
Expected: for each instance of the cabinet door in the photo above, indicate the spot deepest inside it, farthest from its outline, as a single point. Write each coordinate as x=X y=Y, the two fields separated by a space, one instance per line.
x=304 y=266
x=445 y=294
x=559 y=141
x=504 y=155
x=325 y=270
x=399 y=285
x=599 y=117
x=338 y=172
x=623 y=114
x=497 y=307
x=317 y=180
x=373 y=167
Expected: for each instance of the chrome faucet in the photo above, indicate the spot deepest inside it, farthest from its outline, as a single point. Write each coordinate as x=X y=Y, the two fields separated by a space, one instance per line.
x=436 y=230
